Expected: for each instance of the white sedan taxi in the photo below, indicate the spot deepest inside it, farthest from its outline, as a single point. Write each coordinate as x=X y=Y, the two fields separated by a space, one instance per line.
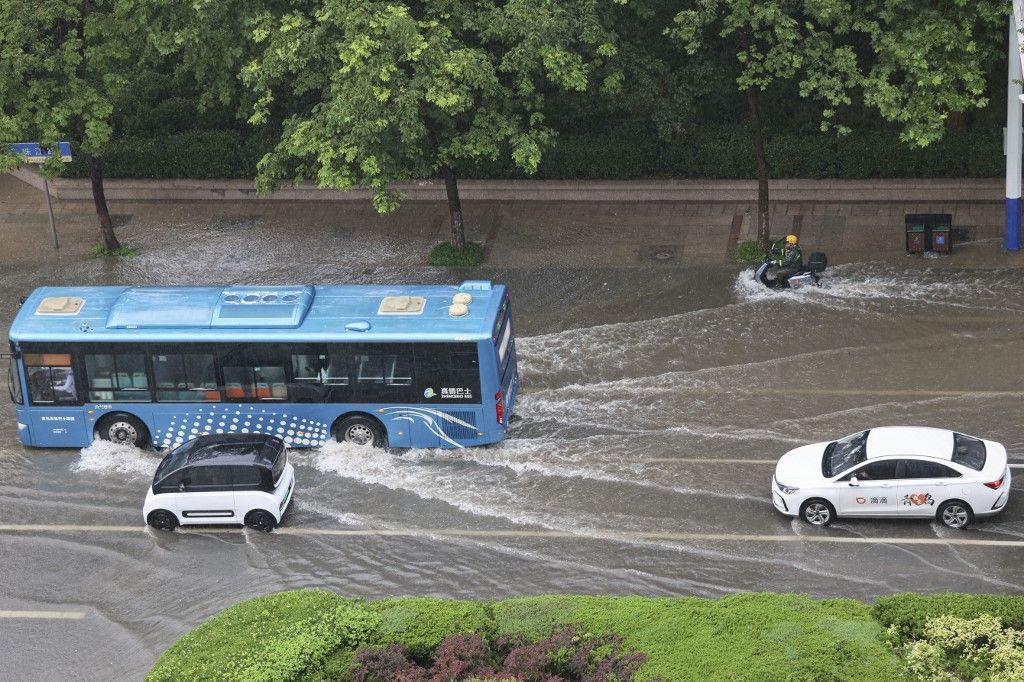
x=894 y=471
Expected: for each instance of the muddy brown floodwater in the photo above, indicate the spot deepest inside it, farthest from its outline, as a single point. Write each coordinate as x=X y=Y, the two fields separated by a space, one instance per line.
x=655 y=401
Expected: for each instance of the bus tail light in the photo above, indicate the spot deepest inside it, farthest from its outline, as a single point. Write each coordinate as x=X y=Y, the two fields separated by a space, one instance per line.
x=499 y=409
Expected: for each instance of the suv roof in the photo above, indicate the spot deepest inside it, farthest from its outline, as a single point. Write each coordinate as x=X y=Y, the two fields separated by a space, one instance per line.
x=235 y=448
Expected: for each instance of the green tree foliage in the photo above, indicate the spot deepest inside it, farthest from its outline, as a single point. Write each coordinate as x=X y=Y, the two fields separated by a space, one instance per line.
x=915 y=62
x=65 y=66
x=394 y=91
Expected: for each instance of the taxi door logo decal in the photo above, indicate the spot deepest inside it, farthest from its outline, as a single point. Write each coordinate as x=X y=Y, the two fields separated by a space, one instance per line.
x=861 y=500
x=918 y=499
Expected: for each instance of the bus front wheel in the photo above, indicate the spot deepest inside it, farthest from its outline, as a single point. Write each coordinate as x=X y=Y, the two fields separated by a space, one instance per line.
x=360 y=430
x=123 y=429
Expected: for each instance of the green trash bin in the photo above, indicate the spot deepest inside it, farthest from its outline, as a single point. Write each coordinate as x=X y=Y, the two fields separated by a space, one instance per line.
x=915 y=237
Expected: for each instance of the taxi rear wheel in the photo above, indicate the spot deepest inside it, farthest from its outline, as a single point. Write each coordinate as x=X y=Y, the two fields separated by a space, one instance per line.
x=955 y=514
x=817 y=512
x=161 y=519
x=261 y=520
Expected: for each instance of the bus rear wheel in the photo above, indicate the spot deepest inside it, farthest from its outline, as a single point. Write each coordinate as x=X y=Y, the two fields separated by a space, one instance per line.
x=360 y=430
x=123 y=429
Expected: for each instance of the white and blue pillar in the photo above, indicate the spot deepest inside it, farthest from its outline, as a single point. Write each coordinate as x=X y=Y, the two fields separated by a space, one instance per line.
x=1011 y=240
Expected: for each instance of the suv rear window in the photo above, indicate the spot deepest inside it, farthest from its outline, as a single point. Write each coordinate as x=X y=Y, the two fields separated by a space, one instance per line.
x=968 y=452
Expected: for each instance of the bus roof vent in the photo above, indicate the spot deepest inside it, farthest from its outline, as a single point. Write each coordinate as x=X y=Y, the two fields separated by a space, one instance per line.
x=284 y=306
x=402 y=305
x=60 y=305
x=475 y=285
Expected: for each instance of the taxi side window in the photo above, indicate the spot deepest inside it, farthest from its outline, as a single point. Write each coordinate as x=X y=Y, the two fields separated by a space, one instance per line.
x=209 y=478
x=875 y=471
x=914 y=468
x=247 y=478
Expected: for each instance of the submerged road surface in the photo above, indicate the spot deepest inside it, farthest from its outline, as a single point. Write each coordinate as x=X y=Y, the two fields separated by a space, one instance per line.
x=655 y=401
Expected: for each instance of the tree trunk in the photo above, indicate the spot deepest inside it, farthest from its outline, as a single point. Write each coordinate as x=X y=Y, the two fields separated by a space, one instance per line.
x=451 y=186
x=98 y=198
x=762 y=168
x=956 y=121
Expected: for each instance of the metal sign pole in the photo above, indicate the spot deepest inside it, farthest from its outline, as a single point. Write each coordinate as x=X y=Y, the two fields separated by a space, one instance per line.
x=49 y=208
x=34 y=152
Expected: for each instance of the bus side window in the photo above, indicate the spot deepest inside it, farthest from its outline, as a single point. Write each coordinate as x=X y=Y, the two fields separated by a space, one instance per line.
x=51 y=378
x=185 y=377
x=119 y=377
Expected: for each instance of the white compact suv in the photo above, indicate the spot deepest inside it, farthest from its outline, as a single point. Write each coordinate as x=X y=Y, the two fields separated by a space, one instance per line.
x=229 y=478
x=894 y=471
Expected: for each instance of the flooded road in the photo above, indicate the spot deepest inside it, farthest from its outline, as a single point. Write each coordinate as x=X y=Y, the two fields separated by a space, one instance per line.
x=655 y=401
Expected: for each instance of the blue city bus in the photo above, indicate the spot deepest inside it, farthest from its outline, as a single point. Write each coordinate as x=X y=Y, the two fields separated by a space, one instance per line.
x=396 y=366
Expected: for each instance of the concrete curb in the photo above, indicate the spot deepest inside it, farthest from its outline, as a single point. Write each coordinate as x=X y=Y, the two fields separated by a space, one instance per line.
x=740 y=191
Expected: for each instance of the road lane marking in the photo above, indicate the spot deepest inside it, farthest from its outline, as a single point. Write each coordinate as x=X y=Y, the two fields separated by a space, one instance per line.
x=604 y=535
x=44 y=615
x=731 y=460
x=880 y=392
x=709 y=460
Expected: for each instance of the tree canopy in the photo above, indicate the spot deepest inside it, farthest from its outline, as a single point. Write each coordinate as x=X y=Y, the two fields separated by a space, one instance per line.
x=389 y=92
x=64 y=67
x=912 y=61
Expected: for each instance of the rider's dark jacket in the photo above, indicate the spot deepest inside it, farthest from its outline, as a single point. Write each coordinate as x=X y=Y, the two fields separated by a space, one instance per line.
x=785 y=255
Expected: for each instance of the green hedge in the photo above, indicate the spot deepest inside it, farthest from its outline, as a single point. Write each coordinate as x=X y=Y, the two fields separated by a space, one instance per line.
x=907 y=613
x=713 y=152
x=276 y=637
x=742 y=637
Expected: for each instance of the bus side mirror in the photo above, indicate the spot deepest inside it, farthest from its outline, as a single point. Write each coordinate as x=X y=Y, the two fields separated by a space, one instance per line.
x=854 y=482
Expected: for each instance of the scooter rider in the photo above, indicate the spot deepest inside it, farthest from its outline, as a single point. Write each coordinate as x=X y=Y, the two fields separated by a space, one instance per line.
x=787 y=258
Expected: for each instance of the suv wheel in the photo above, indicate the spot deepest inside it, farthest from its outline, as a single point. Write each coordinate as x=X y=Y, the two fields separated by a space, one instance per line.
x=161 y=519
x=261 y=520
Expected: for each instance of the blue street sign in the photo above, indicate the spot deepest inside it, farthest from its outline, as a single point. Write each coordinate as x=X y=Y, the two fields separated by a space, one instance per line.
x=37 y=153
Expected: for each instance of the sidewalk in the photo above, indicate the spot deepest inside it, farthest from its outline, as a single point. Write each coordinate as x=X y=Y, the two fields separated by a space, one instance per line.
x=617 y=224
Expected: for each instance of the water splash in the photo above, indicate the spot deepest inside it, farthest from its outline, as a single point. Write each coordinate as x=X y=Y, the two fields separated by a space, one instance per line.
x=105 y=457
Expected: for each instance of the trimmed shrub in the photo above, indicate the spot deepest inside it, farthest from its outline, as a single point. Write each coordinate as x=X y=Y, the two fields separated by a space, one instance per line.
x=907 y=614
x=565 y=655
x=742 y=637
x=175 y=150
x=748 y=252
x=446 y=254
x=101 y=250
x=421 y=624
x=967 y=648
x=276 y=637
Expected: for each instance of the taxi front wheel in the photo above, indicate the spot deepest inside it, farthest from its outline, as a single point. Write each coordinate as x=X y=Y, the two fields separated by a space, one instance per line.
x=817 y=512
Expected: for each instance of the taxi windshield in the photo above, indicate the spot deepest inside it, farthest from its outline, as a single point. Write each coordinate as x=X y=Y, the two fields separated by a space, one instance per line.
x=844 y=453
x=174 y=460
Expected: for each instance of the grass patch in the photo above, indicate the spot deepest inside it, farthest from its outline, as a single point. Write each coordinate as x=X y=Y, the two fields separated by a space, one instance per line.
x=101 y=250
x=748 y=252
x=446 y=254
